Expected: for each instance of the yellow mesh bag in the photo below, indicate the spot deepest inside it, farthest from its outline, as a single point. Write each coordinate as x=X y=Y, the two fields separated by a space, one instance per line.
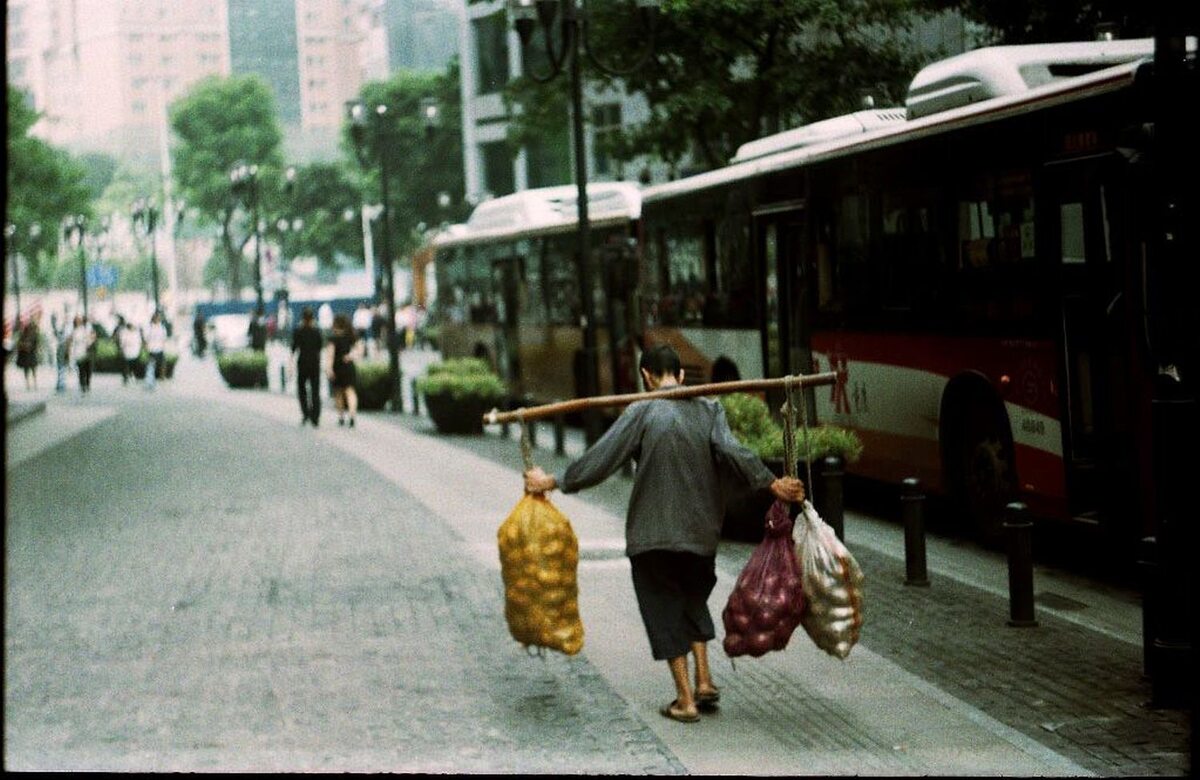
x=539 y=555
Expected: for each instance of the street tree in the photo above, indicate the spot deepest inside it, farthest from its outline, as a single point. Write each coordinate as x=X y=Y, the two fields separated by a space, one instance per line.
x=424 y=160
x=220 y=122
x=1048 y=21
x=320 y=196
x=45 y=184
x=724 y=72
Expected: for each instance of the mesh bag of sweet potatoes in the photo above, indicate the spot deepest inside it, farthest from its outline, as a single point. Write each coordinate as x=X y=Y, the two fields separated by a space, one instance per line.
x=539 y=557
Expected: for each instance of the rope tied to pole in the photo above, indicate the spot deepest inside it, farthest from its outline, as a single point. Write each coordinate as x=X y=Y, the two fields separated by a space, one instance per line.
x=788 y=411
x=526 y=443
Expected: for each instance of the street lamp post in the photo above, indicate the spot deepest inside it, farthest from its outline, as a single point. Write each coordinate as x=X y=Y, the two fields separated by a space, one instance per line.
x=11 y=232
x=357 y=114
x=74 y=228
x=145 y=213
x=244 y=179
x=526 y=15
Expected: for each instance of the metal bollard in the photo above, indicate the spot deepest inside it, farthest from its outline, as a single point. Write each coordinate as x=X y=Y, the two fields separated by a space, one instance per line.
x=560 y=435
x=1148 y=565
x=830 y=496
x=1020 y=566
x=416 y=399
x=912 y=502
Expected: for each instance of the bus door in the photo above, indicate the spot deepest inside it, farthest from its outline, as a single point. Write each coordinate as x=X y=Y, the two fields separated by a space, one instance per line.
x=506 y=287
x=1088 y=205
x=786 y=340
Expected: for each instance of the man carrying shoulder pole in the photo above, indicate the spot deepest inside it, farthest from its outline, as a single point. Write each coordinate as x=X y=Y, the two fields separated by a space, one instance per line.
x=673 y=522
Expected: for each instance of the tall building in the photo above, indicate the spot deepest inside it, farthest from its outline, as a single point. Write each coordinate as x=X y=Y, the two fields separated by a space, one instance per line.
x=315 y=54
x=102 y=71
x=421 y=34
x=489 y=51
x=262 y=40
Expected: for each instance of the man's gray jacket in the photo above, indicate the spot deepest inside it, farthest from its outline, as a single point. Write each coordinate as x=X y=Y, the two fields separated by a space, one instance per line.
x=679 y=447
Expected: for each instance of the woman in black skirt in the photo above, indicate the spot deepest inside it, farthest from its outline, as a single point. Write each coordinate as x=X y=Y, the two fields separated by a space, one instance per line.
x=673 y=523
x=342 y=351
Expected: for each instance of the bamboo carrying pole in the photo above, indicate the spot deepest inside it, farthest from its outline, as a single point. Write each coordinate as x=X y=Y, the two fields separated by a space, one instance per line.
x=496 y=417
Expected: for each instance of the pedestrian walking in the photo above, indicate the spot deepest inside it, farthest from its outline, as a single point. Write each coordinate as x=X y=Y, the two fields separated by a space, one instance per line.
x=673 y=522
x=325 y=318
x=258 y=331
x=129 y=340
x=28 y=344
x=343 y=350
x=156 y=345
x=362 y=324
x=306 y=347
x=199 y=334
x=82 y=345
x=62 y=341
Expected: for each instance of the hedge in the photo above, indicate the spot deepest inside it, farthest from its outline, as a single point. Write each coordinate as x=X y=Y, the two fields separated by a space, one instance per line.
x=243 y=368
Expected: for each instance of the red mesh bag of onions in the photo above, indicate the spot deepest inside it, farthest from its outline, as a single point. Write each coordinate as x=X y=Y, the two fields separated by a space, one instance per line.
x=767 y=601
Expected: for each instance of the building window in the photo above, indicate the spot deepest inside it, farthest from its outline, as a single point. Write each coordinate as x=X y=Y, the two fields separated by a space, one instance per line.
x=491 y=47
x=139 y=106
x=606 y=121
x=497 y=168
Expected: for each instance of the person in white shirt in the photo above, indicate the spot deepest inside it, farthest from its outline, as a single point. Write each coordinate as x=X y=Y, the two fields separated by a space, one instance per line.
x=156 y=345
x=130 y=342
x=362 y=324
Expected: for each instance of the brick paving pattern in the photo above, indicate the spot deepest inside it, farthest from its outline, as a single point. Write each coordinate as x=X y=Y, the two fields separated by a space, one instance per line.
x=199 y=625
x=1078 y=692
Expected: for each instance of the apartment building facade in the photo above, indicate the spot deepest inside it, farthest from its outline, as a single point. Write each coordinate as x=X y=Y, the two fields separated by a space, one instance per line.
x=102 y=72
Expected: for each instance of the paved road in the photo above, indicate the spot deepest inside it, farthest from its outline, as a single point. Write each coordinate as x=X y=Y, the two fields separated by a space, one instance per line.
x=195 y=582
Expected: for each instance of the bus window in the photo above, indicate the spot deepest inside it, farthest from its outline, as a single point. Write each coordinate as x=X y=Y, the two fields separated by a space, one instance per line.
x=1071 y=226
x=674 y=293
x=828 y=296
x=995 y=221
x=731 y=303
x=852 y=239
x=908 y=251
x=685 y=269
x=771 y=276
x=560 y=280
x=532 y=294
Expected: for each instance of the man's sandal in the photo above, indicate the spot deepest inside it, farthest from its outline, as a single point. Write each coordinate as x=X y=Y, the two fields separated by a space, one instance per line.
x=707 y=702
x=671 y=711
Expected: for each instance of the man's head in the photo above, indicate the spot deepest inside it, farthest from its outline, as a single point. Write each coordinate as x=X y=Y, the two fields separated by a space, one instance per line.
x=306 y=315
x=659 y=366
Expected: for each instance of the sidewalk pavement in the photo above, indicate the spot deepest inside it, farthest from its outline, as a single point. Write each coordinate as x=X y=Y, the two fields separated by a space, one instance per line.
x=938 y=684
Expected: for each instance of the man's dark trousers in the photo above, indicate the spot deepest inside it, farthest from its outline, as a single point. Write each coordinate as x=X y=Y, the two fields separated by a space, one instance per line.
x=309 y=382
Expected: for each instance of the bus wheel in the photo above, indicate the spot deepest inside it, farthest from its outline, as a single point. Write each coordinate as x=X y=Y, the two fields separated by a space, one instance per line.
x=986 y=475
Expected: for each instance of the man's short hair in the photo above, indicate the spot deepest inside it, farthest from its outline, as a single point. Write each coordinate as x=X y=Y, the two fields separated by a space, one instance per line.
x=661 y=360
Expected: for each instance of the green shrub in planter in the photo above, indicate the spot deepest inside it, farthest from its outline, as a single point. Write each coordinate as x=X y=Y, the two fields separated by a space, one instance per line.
x=108 y=358
x=752 y=424
x=458 y=392
x=466 y=366
x=168 y=368
x=243 y=368
x=373 y=390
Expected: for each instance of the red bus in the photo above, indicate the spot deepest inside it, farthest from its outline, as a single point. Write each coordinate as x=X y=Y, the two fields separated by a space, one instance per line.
x=971 y=262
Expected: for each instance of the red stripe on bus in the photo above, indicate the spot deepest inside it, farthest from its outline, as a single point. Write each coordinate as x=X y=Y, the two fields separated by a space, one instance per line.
x=1021 y=371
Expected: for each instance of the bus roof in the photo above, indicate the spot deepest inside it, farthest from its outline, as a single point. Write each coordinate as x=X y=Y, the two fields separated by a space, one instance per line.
x=860 y=137
x=545 y=210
